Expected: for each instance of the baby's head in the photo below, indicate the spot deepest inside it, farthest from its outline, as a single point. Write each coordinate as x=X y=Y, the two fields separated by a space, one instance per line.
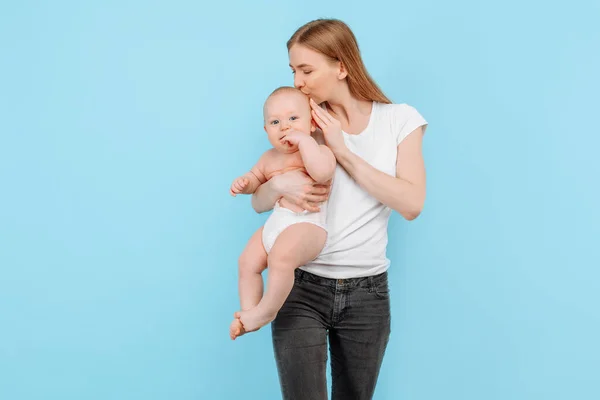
x=286 y=110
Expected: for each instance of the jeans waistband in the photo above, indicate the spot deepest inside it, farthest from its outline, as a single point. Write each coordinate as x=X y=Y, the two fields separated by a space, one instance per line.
x=365 y=281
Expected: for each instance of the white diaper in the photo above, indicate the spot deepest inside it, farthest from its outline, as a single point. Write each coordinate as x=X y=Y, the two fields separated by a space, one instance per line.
x=282 y=217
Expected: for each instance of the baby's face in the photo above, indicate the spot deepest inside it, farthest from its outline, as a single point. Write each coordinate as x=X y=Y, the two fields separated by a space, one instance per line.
x=287 y=112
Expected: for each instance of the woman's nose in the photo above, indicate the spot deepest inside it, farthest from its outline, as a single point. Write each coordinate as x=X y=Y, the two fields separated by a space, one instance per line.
x=298 y=83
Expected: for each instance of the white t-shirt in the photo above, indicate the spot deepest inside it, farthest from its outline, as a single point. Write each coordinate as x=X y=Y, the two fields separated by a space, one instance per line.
x=356 y=221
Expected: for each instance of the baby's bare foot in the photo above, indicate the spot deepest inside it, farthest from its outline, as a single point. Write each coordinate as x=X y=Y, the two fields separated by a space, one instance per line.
x=254 y=319
x=236 y=329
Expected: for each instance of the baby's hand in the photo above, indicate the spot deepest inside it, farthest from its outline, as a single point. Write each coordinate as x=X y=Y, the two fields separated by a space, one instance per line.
x=294 y=138
x=239 y=185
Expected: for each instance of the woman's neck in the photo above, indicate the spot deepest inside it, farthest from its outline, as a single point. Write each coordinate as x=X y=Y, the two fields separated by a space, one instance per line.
x=352 y=113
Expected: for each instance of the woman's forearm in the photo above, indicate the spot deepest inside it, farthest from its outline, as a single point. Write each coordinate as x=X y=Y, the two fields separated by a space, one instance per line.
x=265 y=197
x=400 y=195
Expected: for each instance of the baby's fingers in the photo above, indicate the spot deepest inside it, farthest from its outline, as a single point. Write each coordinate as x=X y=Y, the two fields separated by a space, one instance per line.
x=236 y=188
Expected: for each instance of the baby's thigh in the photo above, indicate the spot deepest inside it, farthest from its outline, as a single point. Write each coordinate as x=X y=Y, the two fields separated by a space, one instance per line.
x=298 y=244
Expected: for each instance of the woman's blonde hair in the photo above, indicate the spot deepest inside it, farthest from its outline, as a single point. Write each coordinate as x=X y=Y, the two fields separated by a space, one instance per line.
x=334 y=39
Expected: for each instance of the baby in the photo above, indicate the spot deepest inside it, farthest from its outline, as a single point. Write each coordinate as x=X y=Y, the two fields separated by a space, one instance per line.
x=291 y=236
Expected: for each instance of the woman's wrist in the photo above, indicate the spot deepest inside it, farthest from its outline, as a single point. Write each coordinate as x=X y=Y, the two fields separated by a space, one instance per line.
x=341 y=154
x=265 y=197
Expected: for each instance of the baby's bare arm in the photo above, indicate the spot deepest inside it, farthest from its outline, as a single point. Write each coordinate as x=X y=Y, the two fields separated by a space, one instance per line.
x=319 y=160
x=251 y=180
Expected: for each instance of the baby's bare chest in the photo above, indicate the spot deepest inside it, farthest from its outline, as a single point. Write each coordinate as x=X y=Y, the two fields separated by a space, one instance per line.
x=281 y=163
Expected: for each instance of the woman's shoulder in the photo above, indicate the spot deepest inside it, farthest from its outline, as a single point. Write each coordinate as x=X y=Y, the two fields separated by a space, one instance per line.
x=396 y=109
x=398 y=113
x=401 y=118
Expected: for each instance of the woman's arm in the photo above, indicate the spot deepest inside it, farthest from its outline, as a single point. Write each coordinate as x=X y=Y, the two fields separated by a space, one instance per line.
x=404 y=193
x=295 y=186
x=265 y=197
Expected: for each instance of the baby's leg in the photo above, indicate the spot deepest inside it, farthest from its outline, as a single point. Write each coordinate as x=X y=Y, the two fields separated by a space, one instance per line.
x=251 y=264
x=295 y=246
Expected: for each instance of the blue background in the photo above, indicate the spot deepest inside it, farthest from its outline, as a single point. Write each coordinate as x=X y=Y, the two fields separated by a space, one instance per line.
x=123 y=124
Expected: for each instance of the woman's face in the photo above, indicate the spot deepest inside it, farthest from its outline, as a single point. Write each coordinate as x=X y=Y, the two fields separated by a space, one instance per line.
x=314 y=74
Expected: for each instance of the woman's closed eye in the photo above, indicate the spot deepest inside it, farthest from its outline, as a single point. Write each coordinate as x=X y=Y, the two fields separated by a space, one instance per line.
x=304 y=72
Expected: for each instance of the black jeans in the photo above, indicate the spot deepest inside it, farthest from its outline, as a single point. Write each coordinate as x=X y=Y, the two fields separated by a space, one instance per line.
x=354 y=314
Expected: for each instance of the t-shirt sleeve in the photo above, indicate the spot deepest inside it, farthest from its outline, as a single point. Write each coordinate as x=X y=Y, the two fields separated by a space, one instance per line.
x=407 y=119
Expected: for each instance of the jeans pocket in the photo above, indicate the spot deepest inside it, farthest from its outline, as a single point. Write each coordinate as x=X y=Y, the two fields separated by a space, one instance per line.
x=382 y=289
x=382 y=293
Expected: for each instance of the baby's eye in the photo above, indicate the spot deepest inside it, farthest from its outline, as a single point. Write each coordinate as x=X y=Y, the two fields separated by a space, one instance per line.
x=275 y=122
x=293 y=118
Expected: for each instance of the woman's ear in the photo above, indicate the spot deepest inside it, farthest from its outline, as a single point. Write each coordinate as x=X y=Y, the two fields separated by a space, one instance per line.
x=342 y=73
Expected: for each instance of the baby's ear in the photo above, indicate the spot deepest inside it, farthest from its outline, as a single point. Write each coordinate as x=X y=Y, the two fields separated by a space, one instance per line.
x=265 y=128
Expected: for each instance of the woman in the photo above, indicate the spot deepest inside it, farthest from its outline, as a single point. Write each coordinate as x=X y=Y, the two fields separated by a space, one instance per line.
x=343 y=294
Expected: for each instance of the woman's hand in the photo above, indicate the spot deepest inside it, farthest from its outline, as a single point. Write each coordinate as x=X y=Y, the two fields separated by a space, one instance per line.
x=331 y=127
x=299 y=188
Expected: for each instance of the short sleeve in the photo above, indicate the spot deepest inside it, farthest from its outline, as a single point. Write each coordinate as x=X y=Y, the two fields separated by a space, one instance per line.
x=406 y=119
